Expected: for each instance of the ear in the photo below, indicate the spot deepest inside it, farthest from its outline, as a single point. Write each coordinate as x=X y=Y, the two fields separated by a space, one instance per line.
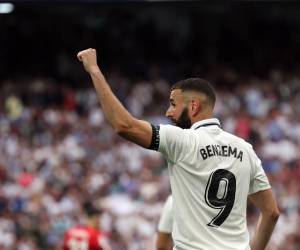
x=195 y=106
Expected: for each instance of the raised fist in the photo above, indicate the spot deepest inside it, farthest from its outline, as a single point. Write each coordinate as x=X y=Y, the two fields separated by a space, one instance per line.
x=89 y=59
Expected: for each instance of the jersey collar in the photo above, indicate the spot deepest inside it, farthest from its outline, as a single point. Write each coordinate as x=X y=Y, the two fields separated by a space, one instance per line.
x=206 y=123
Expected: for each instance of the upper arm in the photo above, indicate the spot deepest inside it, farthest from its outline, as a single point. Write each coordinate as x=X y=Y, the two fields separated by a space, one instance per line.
x=258 y=180
x=260 y=192
x=139 y=132
x=169 y=140
x=264 y=201
x=174 y=142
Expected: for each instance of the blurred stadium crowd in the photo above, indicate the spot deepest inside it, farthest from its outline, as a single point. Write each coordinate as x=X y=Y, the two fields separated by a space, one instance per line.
x=57 y=151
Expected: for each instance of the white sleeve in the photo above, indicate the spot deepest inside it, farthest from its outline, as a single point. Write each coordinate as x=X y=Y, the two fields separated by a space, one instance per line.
x=259 y=180
x=166 y=219
x=172 y=142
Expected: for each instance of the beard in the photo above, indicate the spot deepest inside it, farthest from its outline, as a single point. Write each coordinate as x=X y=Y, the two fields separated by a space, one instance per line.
x=184 y=120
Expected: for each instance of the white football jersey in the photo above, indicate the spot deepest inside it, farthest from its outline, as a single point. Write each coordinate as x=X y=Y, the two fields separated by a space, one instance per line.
x=211 y=173
x=166 y=219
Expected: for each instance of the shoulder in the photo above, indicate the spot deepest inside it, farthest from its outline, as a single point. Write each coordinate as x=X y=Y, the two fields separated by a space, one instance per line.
x=169 y=127
x=238 y=140
x=174 y=130
x=75 y=229
x=173 y=136
x=92 y=231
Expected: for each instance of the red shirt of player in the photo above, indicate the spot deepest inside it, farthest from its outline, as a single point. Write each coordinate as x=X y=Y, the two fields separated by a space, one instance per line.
x=84 y=238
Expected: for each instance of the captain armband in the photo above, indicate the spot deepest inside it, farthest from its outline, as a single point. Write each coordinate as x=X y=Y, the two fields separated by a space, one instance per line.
x=155 y=138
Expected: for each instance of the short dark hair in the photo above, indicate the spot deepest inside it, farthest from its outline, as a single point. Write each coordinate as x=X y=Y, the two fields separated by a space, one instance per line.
x=199 y=85
x=91 y=210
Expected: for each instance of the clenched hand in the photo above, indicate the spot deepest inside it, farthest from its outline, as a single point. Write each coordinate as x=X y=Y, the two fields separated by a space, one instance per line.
x=89 y=59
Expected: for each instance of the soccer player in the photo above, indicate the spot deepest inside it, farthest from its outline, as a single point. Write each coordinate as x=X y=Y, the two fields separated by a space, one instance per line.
x=86 y=237
x=164 y=233
x=212 y=172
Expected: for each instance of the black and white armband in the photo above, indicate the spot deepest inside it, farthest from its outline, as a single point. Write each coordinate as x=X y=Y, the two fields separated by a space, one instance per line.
x=155 y=138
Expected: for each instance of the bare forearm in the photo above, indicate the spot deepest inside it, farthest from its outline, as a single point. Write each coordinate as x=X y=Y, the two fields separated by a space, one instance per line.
x=130 y=128
x=263 y=232
x=113 y=110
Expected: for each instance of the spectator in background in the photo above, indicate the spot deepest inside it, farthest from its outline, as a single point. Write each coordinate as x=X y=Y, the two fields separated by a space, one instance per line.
x=63 y=148
x=88 y=236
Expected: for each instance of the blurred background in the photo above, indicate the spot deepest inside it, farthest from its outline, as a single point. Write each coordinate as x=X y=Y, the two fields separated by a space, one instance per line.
x=56 y=149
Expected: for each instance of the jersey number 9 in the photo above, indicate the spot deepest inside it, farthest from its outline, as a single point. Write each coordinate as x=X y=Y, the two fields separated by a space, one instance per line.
x=220 y=194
